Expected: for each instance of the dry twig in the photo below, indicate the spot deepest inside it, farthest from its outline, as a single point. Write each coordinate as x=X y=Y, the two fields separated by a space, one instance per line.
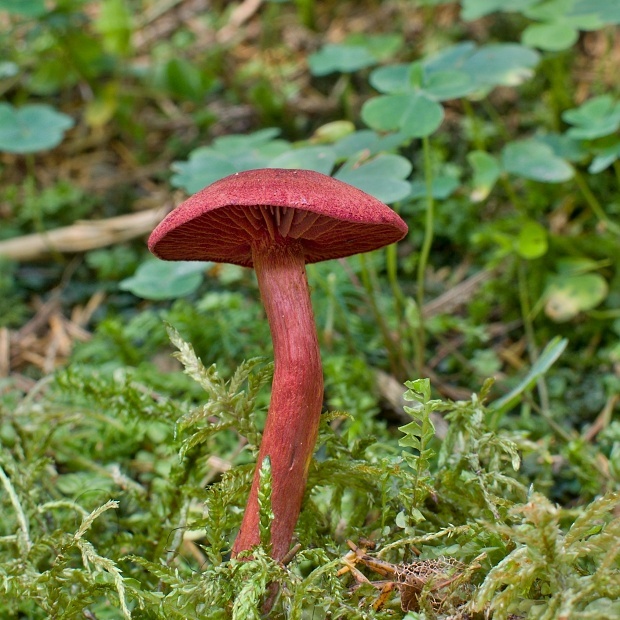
x=82 y=236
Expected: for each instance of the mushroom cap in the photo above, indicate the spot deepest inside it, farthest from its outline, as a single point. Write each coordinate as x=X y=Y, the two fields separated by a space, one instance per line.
x=223 y=222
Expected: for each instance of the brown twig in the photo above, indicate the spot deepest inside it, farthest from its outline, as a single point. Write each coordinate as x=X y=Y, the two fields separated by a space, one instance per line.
x=82 y=236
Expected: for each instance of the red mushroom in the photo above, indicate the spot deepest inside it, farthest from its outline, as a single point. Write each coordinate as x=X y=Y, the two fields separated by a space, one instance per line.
x=277 y=221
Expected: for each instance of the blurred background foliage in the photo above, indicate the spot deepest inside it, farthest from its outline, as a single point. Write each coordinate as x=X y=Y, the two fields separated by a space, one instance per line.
x=491 y=127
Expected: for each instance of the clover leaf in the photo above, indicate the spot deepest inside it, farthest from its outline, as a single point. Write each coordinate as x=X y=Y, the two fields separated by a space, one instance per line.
x=227 y=155
x=535 y=160
x=414 y=114
x=383 y=177
x=355 y=54
x=475 y=9
x=317 y=158
x=342 y=58
x=158 y=279
x=596 y=118
x=606 y=10
x=31 y=128
x=568 y=294
x=27 y=8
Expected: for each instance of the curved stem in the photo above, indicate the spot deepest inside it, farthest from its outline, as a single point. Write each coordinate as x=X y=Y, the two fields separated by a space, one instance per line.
x=294 y=413
x=429 y=225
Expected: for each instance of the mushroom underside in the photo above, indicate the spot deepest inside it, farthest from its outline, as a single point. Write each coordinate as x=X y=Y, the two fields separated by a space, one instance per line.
x=227 y=234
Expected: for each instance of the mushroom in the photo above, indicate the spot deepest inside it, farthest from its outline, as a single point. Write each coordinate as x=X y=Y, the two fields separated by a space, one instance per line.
x=277 y=221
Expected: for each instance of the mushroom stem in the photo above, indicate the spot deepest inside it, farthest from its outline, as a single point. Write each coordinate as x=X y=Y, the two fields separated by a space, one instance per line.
x=294 y=413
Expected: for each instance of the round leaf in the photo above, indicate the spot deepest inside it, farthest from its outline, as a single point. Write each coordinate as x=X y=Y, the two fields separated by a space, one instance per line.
x=333 y=131
x=367 y=141
x=8 y=69
x=442 y=187
x=27 y=8
x=564 y=147
x=607 y=11
x=531 y=241
x=203 y=168
x=413 y=113
x=383 y=177
x=568 y=295
x=536 y=161
x=448 y=84
x=486 y=172
x=475 y=9
x=552 y=37
x=391 y=78
x=501 y=64
x=343 y=58
x=32 y=128
x=604 y=158
x=450 y=58
x=317 y=158
x=381 y=46
x=158 y=279
x=596 y=118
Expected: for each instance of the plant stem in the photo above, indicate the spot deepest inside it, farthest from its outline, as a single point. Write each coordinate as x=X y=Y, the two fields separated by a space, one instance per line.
x=477 y=136
x=594 y=204
x=429 y=220
x=530 y=334
x=512 y=194
x=22 y=520
x=393 y=351
x=391 y=262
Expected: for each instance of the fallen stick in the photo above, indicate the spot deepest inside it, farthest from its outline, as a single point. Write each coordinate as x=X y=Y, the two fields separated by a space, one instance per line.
x=82 y=236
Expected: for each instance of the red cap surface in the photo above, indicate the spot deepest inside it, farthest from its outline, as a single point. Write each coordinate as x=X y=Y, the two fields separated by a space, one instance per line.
x=330 y=219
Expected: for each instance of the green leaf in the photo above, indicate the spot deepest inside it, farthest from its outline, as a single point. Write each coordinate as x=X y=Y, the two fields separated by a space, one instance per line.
x=357 y=52
x=414 y=114
x=604 y=158
x=552 y=37
x=475 y=9
x=442 y=187
x=264 y=504
x=531 y=241
x=568 y=294
x=607 y=11
x=440 y=84
x=340 y=58
x=382 y=177
x=333 y=132
x=391 y=79
x=367 y=142
x=31 y=128
x=237 y=144
x=381 y=46
x=563 y=146
x=227 y=155
x=157 y=279
x=180 y=78
x=317 y=158
x=548 y=357
x=8 y=69
x=448 y=84
x=450 y=58
x=596 y=118
x=534 y=160
x=486 y=172
x=114 y=23
x=27 y=8
x=501 y=64
x=204 y=167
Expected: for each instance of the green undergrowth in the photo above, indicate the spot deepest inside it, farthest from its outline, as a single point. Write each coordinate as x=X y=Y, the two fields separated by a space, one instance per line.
x=116 y=507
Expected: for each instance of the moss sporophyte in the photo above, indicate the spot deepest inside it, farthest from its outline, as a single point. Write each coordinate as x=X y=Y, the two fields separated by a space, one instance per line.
x=277 y=221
